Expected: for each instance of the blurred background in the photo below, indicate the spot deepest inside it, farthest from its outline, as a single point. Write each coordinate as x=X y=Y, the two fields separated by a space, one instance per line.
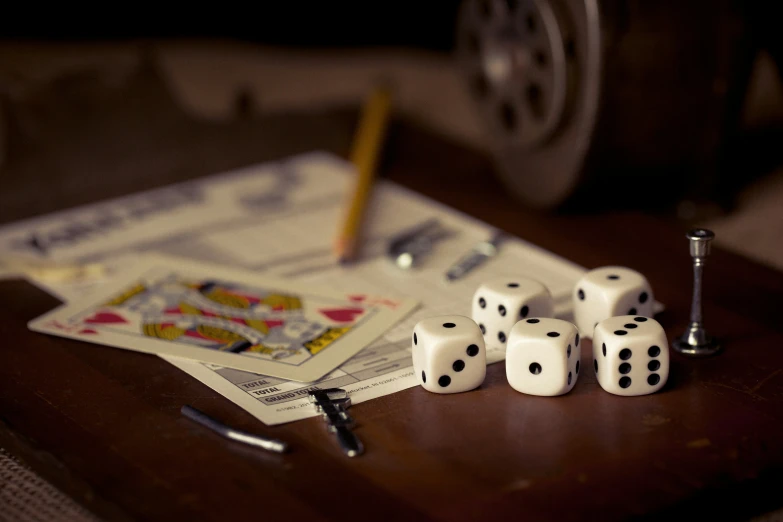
x=670 y=108
x=582 y=106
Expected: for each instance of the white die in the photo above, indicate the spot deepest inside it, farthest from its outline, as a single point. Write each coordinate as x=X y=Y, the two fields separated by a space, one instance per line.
x=499 y=303
x=630 y=355
x=609 y=291
x=449 y=355
x=543 y=356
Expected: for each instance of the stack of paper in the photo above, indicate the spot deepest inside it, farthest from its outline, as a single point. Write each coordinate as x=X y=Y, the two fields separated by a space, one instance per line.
x=231 y=279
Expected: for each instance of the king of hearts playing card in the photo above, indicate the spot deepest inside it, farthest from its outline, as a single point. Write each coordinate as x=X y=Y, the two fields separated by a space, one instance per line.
x=227 y=317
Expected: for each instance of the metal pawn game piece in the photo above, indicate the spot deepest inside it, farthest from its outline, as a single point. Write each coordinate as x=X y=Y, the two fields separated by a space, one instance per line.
x=333 y=403
x=695 y=340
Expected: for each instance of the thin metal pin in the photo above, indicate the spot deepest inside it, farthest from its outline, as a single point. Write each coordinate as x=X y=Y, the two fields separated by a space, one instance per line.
x=251 y=439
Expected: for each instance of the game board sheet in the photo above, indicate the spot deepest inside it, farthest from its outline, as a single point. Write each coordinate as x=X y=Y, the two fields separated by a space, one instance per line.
x=279 y=219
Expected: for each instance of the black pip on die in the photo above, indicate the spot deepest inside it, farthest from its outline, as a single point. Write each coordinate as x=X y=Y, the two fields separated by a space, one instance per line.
x=542 y=357
x=499 y=303
x=449 y=355
x=609 y=291
x=630 y=355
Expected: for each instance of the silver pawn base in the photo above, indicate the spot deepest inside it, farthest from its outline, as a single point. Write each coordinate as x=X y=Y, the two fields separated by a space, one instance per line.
x=696 y=342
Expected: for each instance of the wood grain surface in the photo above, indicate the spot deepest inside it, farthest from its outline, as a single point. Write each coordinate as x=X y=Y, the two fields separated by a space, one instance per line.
x=104 y=425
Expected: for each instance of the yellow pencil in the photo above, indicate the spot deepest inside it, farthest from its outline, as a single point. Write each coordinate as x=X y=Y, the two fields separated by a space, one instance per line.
x=364 y=156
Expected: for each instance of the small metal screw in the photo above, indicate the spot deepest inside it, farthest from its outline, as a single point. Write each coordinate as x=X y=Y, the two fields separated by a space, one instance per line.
x=695 y=340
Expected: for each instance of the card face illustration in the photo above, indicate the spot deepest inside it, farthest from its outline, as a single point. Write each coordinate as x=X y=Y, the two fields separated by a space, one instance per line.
x=228 y=317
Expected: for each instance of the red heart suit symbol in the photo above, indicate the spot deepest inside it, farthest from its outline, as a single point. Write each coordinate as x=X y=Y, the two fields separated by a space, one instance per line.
x=342 y=315
x=105 y=318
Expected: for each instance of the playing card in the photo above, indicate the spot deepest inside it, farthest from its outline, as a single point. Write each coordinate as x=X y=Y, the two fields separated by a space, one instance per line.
x=228 y=317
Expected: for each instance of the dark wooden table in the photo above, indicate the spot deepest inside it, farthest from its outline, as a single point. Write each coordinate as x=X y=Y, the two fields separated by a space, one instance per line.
x=104 y=425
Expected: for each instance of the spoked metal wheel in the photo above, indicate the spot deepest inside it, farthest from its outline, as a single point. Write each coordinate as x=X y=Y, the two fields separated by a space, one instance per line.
x=532 y=66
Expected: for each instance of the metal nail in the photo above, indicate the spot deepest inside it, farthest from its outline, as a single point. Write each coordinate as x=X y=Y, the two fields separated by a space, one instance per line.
x=244 y=437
